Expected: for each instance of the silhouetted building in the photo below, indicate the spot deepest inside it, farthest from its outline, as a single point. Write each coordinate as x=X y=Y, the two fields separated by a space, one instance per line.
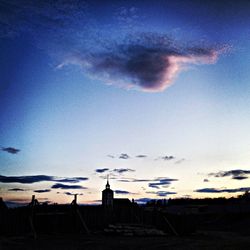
x=121 y=202
x=117 y=209
x=107 y=197
x=109 y=202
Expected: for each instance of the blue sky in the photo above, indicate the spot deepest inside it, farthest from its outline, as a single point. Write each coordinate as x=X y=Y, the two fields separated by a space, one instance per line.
x=82 y=83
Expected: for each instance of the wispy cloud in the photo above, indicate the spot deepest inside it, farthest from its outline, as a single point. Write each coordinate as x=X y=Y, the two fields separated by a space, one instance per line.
x=70 y=179
x=28 y=179
x=225 y=190
x=111 y=176
x=125 y=156
x=237 y=174
x=63 y=186
x=180 y=161
x=11 y=150
x=133 y=180
x=127 y=17
x=159 y=182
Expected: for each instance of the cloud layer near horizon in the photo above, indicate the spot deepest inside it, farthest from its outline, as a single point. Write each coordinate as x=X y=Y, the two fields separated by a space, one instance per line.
x=224 y=190
x=38 y=178
x=63 y=186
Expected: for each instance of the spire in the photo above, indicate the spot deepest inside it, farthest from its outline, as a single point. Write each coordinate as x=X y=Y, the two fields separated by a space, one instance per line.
x=107 y=185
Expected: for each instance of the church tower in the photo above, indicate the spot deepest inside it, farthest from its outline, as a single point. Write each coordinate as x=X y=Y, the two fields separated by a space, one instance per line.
x=107 y=197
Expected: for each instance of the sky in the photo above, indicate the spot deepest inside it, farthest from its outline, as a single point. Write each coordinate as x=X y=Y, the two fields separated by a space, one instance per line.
x=154 y=94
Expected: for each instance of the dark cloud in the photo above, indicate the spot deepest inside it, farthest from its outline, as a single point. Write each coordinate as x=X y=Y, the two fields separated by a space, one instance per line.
x=237 y=174
x=122 y=192
x=42 y=190
x=146 y=61
x=214 y=190
x=11 y=150
x=68 y=193
x=101 y=170
x=71 y=194
x=162 y=193
x=25 y=179
x=205 y=180
x=141 y=156
x=123 y=170
x=124 y=156
x=16 y=189
x=63 y=186
x=161 y=182
x=240 y=177
x=39 y=178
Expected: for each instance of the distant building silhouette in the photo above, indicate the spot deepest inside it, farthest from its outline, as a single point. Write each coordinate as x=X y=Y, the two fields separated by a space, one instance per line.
x=107 y=197
x=110 y=203
x=120 y=210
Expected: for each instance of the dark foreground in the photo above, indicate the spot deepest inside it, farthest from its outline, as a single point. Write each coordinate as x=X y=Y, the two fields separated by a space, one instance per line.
x=200 y=240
